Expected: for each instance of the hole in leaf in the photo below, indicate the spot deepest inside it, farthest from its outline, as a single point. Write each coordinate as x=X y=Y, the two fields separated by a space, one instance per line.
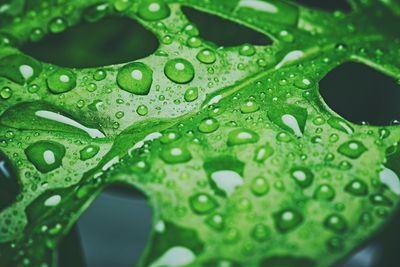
x=115 y=228
x=105 y=42
x=361 y=94
x=224 y=32
x=328 y=5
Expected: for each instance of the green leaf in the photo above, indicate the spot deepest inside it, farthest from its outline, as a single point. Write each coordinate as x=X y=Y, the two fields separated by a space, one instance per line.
x=240 y=157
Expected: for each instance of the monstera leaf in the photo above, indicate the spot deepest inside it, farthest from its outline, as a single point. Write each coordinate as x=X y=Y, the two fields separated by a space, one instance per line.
x=241 y=159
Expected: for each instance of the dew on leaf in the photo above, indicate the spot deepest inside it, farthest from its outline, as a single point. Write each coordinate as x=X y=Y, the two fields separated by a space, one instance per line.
x=336 y=223
x=19 y=68
x=202 y=203
x=175 y=154
x=381 y=200
x=216 y=221
x=142 y=110
x=264 y=152
x=96 y=12
x=242 y=136
x=206 y=56
x=247 y=50
x=208 y=125
x=287 y=220
x=135 y=78
x=179 y=70
x=352 y=149
x=302 y=176
x=152 y=10
x=46 y=156
x=6 y=93
x=191 y=94
x=249 y=106
x=259 y=186
x=89 y=152
x=226 y=181
x=324 y=192
x=357 y=187
x=61 y=81
x=58 y=25
x=290 y=118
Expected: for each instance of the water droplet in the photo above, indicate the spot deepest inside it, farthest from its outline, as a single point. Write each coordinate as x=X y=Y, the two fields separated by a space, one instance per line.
x=380 y=200
x=142 y=110
x=216 y=221
x=336 y=223
x=247 y=50
x=36 y=34
x=352 y=149
x=61 y=81
x=249 y=106
x=96 y=12
x=175 y=154
x=242 y=136
x=226 y=181
x=357 y=187
x=324 y=192
x=135 y=78
x=289 y=118
x=179 y=70
x=89 y=152
x=287 y=220
x=99 y=75
x=260 y=232
x=53 y=201
x=202 y=203
x=206 y=56
x=303 y=176
x=263 y=152
x=341 y=125
x=152 y=10
x=46 y=156
x=191 y=94
x=6 y=93
x=259 y=186
x=58 y=25
x=208 y=125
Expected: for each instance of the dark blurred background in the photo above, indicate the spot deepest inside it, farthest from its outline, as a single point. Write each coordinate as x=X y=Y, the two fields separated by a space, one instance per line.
x=113 y=231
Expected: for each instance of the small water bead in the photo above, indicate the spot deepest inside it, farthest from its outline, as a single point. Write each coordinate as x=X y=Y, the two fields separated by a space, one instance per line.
x=135 y=78
x=169 y=137
x=194 y=42
x=208 y=125
x=89 y=152
x=175 y=155
x=91 y=87
x=216 y=221
x=142 y=110
x=242 y=136
x=302 y=83
x=324 y=192
x=202 y=203
x=122 y=5
x=380 y=200
x=99 y=75
x=140 y=166
x=46 y=156
x=247 y=50
x=153 y=10
x=58 y=25
x=191 y=30
x=260 y=232
x=6 y=93
x=264 y=152
x=357 y=187
x=249 y=106
x=336 y=223
x=96 y=12
x=303 y=176
x=206 y=56
x=352 y=149
x=287 y=220
x=260 y=186
x=283 y=137
x=179 y=70
x=37 y=34
x=191 y=94
x=61 y=81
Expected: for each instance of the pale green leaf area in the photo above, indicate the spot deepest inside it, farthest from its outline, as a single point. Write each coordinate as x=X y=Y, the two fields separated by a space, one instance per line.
x=242 y=161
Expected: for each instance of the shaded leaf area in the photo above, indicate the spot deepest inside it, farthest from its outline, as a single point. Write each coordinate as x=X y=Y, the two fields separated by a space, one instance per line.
x=235 y=148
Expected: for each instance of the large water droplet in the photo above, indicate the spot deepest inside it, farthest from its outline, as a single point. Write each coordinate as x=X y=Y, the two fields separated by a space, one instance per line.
x=202 y=203
x=227 y=181
x=206 y=56
x=19 y=68
x=179 y=70
x=242 y=136
x=208 y=125
x=61 y=81
x=289 y=118
x=287 y=220
x=352 y=149
x=46 y=156
x=153 y=10
x=135 y=78
x=175 y=154
x=303 y=176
